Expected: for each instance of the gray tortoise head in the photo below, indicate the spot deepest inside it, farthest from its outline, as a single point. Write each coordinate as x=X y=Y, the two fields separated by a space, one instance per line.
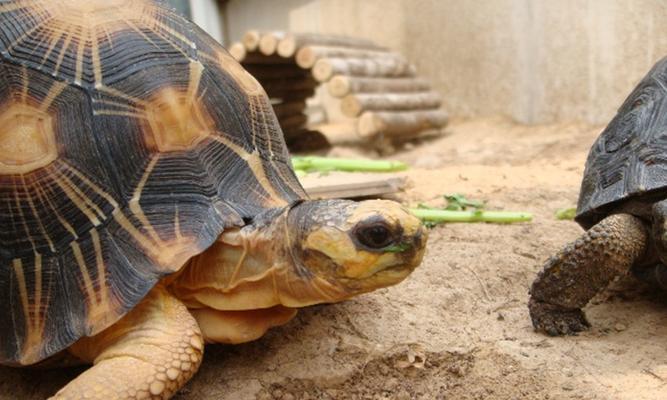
x=629 y=158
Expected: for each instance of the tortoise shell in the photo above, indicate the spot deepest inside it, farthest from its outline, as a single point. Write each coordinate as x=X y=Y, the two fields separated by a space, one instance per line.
x=129 y=140
x=629 y=158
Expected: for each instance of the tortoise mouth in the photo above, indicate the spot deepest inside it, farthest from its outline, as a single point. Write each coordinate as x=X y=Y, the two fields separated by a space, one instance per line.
x=379 y=275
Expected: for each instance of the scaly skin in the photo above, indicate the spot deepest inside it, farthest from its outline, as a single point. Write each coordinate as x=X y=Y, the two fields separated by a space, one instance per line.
x=583 y=268
x=149 y=354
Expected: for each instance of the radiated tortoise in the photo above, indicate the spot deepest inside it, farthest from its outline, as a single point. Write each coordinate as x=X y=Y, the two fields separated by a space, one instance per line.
x=148 y=205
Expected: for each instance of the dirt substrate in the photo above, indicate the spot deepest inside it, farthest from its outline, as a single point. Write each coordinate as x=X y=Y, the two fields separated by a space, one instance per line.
x=458 y=327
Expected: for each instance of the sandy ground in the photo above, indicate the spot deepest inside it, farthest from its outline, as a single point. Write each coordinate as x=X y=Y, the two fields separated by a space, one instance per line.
x=458 y=328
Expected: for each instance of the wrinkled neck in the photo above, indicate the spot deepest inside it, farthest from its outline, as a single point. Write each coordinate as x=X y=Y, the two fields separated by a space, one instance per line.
x=249 y=268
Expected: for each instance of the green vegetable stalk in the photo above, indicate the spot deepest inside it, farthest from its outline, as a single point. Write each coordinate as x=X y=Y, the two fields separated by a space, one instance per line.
x=502 y=217
x=323 y=164
x=566 y=213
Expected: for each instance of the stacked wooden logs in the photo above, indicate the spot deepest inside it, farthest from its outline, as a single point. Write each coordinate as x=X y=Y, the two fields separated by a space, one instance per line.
x=376 y=91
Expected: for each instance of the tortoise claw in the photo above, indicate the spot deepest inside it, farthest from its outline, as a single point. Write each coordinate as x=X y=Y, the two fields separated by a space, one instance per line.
x=556 y=320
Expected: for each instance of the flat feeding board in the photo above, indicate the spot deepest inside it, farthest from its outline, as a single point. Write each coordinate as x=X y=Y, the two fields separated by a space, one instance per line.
x=337 y=185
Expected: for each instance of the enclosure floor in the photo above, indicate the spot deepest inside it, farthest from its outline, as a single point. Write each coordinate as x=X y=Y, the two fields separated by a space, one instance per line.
x=458 y=328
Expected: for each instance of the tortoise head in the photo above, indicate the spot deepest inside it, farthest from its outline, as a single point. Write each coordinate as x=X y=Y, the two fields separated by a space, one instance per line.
x=354 y=247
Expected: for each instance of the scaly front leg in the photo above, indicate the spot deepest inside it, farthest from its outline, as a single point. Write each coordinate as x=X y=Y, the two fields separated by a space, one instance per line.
x=149 y=354
x=573 y=276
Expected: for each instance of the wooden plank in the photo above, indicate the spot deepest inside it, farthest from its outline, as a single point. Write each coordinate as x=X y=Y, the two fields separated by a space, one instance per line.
x=339 y=185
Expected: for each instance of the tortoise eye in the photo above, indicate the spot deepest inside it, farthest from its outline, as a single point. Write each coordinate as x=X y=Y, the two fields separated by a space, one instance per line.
x=375 y=236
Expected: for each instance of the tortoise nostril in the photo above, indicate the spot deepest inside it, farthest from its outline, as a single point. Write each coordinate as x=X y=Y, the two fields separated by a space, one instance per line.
x=421 y=237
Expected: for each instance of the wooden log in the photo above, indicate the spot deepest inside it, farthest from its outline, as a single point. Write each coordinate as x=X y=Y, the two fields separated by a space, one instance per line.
x=325 y=68
x=307 y=56
x=268 y=44
x=238 y=51
x=285 y=109
x=291 y=43
x=401 y=123
x=316 y=114
x=293 y=122
x=339 y=133
x=354 y=104
x=342 y=85
x=251 y=39
x=262 y=72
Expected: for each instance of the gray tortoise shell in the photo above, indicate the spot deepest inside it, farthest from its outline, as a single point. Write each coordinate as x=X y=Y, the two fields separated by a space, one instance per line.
x=629 y=158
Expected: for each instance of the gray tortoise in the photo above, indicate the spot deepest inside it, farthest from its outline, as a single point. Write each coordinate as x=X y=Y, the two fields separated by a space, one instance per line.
x=148 y=204
x=623 y=206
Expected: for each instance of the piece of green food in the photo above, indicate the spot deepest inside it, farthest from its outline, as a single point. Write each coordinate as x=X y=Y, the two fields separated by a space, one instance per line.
x=502 y=217
x=566 y=213
x=458 y=202
x=461 y=209
x=324 y=164
x=397 y=248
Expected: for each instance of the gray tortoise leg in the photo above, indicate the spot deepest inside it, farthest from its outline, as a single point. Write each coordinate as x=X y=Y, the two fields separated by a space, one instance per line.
x=656 y=274
x=573 y=276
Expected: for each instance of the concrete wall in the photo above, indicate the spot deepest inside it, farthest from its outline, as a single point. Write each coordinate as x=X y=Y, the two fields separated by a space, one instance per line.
x=532 y=60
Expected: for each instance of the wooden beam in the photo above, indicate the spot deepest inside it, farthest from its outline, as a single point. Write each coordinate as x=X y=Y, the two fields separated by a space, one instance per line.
x=326 y=68
x=342 y=85
x=339 y=133
x=399 y=123
x=354 y=104
x=291 y=43
x=307 y=56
